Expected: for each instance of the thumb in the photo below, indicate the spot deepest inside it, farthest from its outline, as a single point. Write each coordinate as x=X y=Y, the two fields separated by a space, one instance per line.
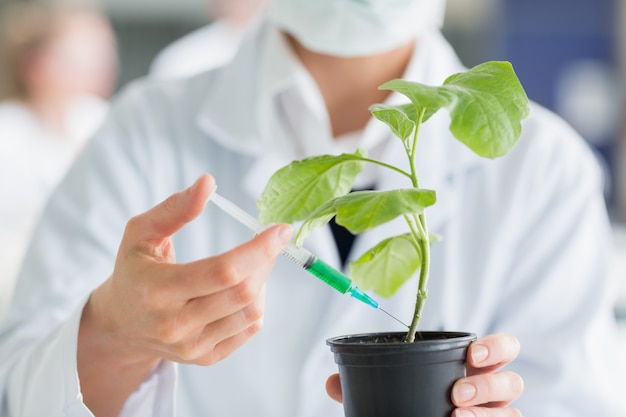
x=333 y=388
x=166 y=218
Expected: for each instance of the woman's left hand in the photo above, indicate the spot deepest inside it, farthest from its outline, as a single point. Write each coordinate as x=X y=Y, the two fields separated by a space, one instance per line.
x=485 y=392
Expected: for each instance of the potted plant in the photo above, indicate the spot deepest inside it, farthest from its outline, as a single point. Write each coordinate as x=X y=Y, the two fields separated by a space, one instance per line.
x=486 y=106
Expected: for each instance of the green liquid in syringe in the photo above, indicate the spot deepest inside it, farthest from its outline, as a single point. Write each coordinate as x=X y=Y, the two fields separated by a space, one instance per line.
x=330 y=275
x=339 y=281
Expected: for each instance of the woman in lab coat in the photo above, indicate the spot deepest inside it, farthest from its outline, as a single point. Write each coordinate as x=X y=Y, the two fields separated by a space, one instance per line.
x=107 y=327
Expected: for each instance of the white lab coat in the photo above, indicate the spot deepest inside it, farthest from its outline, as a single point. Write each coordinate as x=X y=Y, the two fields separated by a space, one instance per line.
x=205 y=48
x=525 y=251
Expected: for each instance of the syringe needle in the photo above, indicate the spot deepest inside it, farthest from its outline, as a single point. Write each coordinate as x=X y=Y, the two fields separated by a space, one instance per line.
x=393 y=317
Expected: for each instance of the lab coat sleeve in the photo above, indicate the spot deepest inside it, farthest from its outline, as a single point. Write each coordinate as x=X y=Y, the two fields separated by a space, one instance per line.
x=58 y=386
x=154 y=397
x=71 y=253
x=557 y=297
x=52 y=364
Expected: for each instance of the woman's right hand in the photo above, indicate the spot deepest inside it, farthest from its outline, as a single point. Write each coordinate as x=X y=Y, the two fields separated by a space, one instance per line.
x=152 y=308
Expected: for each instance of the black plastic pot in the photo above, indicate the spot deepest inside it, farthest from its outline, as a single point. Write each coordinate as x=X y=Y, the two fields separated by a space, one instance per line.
x=382 y=376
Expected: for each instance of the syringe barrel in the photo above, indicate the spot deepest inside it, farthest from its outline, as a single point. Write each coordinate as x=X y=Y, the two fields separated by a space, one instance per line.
x=300 y=256
x=330 y=276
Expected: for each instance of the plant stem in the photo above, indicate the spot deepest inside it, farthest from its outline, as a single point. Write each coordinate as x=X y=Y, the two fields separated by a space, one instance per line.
x=373 y=161
x=424 y=242
x=422 y=291
x=415 y=233
x=411 y=153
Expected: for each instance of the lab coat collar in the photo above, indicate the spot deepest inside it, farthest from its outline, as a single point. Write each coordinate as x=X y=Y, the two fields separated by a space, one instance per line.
x=251 y=124
x=246 y=125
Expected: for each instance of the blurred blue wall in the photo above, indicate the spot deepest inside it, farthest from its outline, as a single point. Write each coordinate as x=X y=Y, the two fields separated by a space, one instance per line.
x=547 y=39
x=542 y=37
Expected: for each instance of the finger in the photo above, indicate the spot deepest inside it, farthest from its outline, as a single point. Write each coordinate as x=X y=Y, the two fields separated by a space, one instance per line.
x=248 y=321
x=498 y=389
x=219 y=352
x=254 y=258
x=226 y=347
x=491 y=353
x=207 y=346
x=333 y=388
x=216 y=306
x=166 y=218
x=486 y=412
x=261 y=249
x=210 y=308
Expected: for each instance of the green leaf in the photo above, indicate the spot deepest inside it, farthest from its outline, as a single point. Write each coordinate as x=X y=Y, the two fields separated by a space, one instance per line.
x=298 y=189
x=317 y=219
x=422 y=96
x=361 y=211
x=491 y=104
x=486 y=103
x=387 y=266
x=396 y=118
x=364 y=210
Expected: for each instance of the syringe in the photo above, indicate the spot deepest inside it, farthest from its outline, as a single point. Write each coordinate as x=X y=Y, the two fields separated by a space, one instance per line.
x=302 y=257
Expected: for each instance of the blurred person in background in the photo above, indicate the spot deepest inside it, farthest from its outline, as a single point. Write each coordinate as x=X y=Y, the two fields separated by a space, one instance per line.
x=58 y=65
x=212 y=45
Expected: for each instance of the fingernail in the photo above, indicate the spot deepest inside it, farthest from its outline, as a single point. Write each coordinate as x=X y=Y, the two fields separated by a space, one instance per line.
x=464 y=413
x=479 y=353
x=463 y=392
x=285 y=234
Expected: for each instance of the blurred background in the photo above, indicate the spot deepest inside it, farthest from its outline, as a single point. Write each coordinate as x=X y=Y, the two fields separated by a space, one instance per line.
x=569 y=54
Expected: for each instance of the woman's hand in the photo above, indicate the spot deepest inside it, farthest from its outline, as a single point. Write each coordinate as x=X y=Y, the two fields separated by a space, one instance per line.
x=152 y=308
x=485 y=392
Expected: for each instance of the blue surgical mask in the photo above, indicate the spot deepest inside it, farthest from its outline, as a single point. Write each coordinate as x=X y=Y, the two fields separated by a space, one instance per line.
x=351 y=28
